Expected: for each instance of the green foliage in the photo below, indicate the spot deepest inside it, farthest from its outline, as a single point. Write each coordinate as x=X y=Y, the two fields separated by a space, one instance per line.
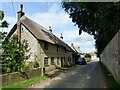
x=25 y=83
x=1 y=14
x=98 y=19
x=15 y=58
x=36 y=64
x=30 y=65
x=88 y=59
x=2 y=35
x=4 y=24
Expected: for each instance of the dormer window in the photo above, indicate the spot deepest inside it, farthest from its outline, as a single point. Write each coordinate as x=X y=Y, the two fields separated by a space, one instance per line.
x=45 y=45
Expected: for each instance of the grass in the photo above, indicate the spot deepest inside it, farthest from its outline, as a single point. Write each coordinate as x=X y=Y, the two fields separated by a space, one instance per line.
x=109 y=78
x=25 y=83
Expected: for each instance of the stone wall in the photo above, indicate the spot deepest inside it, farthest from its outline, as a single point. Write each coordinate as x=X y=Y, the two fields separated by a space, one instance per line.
x=16 y=76
x=111 y=57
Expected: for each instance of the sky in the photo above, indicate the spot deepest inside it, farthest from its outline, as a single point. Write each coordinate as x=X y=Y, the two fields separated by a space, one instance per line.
x=49 y=14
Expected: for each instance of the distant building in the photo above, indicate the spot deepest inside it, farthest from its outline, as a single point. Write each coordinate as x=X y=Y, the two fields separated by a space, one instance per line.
x=77 y=52
x=76 y=49
x=94 y=56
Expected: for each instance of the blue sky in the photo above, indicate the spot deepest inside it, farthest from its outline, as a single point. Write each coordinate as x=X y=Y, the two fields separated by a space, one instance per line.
x=33 y=7
x=50 y=14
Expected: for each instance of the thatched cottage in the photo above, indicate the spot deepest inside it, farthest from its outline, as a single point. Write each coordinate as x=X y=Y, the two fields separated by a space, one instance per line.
x=49 y=50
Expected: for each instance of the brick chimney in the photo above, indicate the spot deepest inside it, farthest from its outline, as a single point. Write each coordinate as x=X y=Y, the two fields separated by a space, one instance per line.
x=50 y=28
x=72 y=45
x=61 y=36
x=20 y=14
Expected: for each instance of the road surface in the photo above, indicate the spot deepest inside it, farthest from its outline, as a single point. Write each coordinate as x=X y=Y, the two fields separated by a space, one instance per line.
x=80 y=76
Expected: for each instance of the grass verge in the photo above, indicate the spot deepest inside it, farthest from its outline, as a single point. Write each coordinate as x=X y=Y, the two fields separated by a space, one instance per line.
x=25 y=83
x=109 y=78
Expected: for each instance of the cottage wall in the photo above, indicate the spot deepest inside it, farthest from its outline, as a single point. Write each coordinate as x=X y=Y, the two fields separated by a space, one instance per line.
x=52 y=52
x=32 y=43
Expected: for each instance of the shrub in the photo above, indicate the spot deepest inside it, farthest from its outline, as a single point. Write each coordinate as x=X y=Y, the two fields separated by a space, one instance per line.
x=15 y=56
x=36 y=64
x=30 y=65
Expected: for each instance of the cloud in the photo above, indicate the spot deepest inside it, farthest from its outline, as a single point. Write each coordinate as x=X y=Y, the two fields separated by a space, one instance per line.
x=55 y=17
x=61 y=23
x=84 y=41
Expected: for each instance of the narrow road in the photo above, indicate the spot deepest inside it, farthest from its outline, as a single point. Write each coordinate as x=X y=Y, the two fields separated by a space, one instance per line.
x=81 y=76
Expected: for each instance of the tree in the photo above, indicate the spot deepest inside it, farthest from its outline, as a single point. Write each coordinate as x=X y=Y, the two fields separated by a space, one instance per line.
x=15 y=56
x=1 y=14
x=15 y=53
x=97 y=19
x=3 y=24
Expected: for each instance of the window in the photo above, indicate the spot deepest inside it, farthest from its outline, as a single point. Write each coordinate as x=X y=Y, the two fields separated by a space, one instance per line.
x=58 y=48
x=46 y=61
x=52 y=60
x=45 y=45
x=58 y=61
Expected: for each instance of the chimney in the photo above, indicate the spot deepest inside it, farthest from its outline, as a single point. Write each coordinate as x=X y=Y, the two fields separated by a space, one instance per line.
x=20 y=13
x=50 y=28
x=61 y=36
x=72 y=45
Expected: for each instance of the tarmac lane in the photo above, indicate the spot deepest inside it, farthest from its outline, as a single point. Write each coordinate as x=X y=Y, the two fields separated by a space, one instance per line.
x=80 y=76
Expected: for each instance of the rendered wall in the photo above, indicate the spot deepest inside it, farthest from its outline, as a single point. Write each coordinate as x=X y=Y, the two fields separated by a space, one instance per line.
x=111 y=57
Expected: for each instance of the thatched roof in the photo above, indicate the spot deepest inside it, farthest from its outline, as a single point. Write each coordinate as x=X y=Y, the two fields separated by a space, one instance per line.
x=39 y=32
